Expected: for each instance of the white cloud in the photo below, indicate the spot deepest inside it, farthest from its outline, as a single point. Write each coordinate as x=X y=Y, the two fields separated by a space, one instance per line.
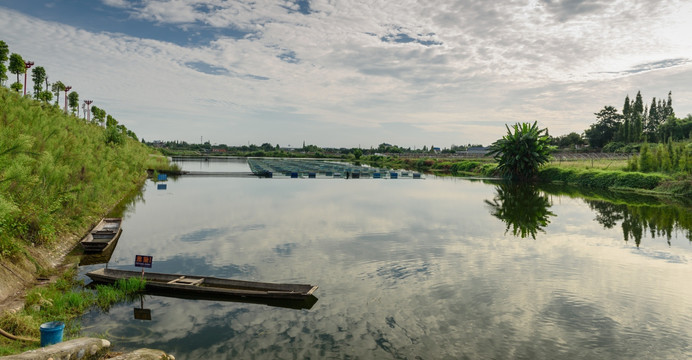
x=357 y=66
x=117 y=3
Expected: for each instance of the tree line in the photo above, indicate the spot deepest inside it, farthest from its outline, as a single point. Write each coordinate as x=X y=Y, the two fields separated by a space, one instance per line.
x=637 y=124
x=45 y=91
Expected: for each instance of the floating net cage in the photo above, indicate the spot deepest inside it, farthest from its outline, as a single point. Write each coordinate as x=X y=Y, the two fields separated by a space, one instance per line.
x=305 y=168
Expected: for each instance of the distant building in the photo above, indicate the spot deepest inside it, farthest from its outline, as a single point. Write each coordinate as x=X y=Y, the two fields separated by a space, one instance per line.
x=481 y=150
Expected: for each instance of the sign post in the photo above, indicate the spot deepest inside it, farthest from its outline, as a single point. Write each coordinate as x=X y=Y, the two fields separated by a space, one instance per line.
x=143 y=261
x=142 y=313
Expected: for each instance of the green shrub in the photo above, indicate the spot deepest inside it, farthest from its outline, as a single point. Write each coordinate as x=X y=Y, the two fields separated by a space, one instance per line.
x=114 y=136
x=613 y=146
x=522 y=151
x=602 y=179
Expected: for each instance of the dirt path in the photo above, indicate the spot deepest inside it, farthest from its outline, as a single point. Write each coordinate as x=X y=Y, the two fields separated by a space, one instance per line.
x=19 y=276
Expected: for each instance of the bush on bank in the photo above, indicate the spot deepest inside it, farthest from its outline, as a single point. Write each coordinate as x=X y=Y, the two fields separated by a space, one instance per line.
x=588 y=178
x=602 y=178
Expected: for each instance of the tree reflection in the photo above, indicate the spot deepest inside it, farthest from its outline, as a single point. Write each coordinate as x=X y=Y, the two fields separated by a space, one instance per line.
x=659 y=220
x=522 y=207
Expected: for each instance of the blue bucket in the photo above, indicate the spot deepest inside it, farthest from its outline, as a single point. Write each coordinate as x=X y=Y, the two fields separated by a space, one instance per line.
x=51 y=332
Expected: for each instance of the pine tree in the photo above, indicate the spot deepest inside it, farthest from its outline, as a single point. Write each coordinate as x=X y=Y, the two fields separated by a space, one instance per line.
x=668 y=108
x=637 y=110
x=653 y=122
x=626 y=115
x=645 y=120
x=627 y=108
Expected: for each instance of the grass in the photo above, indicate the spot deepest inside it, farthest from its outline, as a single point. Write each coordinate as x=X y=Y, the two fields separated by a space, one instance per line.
x=59 y=173
x=161 y=164
x=590 y=173
x=63 y=300
x=600 y=164
x=122 y=290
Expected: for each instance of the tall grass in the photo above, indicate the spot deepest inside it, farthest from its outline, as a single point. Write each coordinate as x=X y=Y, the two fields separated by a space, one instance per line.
x=58 y=173
x=122 y=290
x=668 y=158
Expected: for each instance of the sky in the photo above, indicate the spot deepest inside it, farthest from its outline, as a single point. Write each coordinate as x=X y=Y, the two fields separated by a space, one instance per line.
x=356 y=73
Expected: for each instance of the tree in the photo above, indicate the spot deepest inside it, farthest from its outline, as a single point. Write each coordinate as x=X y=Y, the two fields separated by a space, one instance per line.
x=604 y=130
x=110 y=121
x=624 y=134
x=522 y=152
x=45 y=96
x=73 y=101
x=99 y=115
x=38 y=75
x=17 y=86
x=653 y=121
x=4 y=51
x=57 y=87
x=522 y=207
x=17 y=66
x=571 y=140
x=637 y=114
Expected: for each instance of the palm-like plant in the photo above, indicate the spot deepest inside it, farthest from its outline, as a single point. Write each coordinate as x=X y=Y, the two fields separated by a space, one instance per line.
x=522 y=151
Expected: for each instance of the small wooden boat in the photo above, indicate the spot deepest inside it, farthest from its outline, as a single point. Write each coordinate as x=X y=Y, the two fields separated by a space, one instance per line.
x=98 y=257
x=103 y=234
x=206 y=286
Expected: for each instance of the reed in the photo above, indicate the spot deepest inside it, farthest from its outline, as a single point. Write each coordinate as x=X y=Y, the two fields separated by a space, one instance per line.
x=59 y=173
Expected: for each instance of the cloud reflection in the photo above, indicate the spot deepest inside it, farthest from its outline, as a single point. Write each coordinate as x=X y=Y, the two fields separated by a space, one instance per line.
x=405 y=269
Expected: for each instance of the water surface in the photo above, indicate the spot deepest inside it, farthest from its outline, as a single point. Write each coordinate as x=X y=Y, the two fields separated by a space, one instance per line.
x=440 y=268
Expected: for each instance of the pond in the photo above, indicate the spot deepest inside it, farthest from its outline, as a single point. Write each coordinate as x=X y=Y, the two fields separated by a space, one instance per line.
x=440 y=268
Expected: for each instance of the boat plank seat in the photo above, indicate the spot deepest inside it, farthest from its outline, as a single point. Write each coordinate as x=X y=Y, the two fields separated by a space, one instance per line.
x=186 y=281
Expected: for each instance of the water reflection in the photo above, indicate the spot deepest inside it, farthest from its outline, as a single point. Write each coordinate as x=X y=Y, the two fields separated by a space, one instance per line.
x=637 y=215
x=525 y=209
x=406 y=269
x=522 y=207
x=659 y=221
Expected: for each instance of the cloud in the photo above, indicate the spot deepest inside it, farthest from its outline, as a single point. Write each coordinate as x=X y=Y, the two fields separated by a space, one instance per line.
x=652 y=66
x=439 y=66
x=124 y=4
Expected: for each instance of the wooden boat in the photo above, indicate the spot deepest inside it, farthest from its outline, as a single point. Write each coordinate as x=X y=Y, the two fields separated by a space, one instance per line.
x=306 y=302
x=206 y=286
x=99 y=257
x=103 y=234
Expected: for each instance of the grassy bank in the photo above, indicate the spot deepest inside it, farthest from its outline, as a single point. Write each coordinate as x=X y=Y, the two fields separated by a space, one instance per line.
x=475 y=167
x=63 y=300
x=599 y=174
x=59 y=174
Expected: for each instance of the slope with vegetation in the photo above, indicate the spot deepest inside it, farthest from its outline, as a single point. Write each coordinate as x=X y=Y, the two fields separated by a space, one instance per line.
x=58 y=175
